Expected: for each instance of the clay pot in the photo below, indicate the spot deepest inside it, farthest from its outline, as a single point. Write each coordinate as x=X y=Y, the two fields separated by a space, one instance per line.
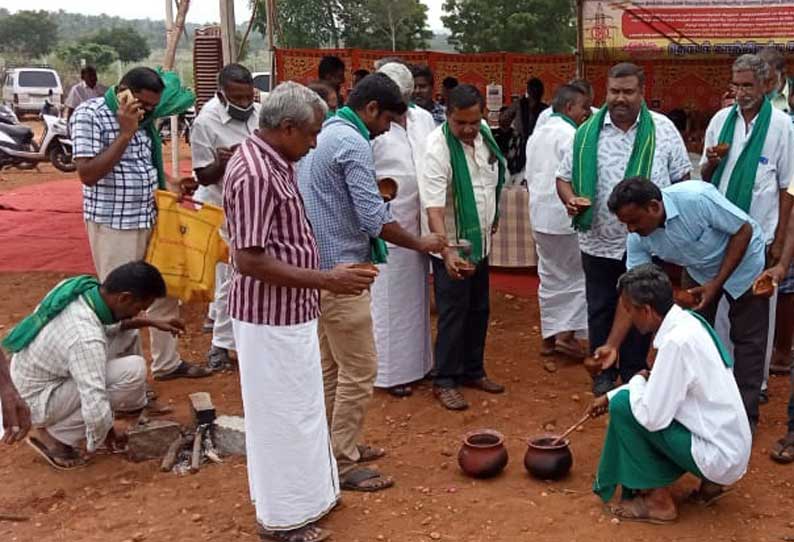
x=387 y=188
x=483 y=453
x=764 y=287
x=547 y=461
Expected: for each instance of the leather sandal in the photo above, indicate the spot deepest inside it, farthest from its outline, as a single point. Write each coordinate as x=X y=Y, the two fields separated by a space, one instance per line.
x=485 y=384
x=365 y=480
x=451 y=398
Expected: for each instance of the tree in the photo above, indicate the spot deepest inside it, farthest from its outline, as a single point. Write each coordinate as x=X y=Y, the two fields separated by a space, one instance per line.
x=28 y=34
x=301 y=23
x=526 y=26
x=385 y=24
x=95 y=54
x=128 y=43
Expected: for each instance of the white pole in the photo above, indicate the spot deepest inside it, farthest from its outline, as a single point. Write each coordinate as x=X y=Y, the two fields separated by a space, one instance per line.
x=169 y=25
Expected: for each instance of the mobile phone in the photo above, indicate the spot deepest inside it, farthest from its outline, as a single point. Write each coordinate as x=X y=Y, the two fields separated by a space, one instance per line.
x=125 y=97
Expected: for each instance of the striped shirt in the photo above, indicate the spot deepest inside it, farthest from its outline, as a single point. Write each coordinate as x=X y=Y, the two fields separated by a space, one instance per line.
x=124 y=198
x=264 y=209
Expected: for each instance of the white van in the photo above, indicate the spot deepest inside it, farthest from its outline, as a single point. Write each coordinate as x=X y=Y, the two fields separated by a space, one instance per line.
x=262 y=84
x=26 y=89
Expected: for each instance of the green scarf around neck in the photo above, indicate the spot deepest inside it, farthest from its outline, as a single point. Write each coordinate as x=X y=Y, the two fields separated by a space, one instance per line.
x=585 y=159
x=467 y=219
x=721 y=348
x=174 y=100
x=740 y=185
x=567 y=119
x=53 y=304
x=378 y=252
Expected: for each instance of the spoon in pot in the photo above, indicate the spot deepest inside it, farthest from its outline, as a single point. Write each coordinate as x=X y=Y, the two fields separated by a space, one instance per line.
x=571 y=429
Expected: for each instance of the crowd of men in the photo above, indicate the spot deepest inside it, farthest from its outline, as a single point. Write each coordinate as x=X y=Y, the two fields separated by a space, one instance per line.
x=327 y=295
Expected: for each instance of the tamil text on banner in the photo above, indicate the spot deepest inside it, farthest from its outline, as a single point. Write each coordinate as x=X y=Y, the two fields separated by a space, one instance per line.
x=615 y=29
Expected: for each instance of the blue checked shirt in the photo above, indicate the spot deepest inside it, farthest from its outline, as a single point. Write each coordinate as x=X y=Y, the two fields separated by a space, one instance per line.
x=337 y=182
x=124 y=198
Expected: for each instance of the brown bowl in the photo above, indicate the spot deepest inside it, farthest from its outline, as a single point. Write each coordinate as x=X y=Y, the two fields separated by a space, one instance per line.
x=482 y=454
x=722 y=149
x=547 y=461
x=763 y=286
x=387 y=188
x=684 y=299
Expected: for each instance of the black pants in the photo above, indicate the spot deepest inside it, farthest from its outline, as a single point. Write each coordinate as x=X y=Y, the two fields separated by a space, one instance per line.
x=749 y=317
x=601 y=283
x=463 y=307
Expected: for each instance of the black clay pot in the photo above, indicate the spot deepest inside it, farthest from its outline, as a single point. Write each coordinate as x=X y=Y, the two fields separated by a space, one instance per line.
x=483 y=454
x=548 y=461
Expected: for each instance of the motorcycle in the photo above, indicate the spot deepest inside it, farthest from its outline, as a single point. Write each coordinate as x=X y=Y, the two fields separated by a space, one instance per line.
x=19 y=149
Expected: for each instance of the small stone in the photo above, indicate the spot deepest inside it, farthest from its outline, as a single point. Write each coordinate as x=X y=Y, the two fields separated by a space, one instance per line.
x=575 y=397
x=614 y=521
x=544 y=494
x=452 y=490
x=195 y=485
x=550 y=367
x=195 y=518
x=427 y=520
x=137 y=537
x=509 y=297
x=380 y=537
x=435 y=536
x=549 y=427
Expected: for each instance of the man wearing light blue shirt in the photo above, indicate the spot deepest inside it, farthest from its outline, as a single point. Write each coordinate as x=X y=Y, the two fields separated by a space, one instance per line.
x=723 y=251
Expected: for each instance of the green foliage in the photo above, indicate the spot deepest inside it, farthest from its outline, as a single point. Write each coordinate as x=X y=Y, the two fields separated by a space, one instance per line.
x=27 y=34
x=98 y=55
x=302 y=23
x=526 y=26
x=385 y=24
x=129 y=44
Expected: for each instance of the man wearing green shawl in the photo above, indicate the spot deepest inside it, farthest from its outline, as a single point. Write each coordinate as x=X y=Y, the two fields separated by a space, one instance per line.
x=351 y=223
x=119 y=158
x=459 y=190
x=685 y=415
x=66 y=368
x=749 y=156
x=621 y=140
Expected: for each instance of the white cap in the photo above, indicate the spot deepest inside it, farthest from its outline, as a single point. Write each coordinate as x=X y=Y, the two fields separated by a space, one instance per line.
x=400 y=74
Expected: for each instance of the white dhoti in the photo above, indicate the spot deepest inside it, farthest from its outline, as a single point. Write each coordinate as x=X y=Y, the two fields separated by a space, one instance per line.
x=401 y=318
x=222 y=332
x=722 y=325
x=561 y=295
x=292 y=472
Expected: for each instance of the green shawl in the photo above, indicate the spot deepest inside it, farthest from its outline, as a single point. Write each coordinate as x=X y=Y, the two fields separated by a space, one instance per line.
x=378 y=250
x=467 y=220
x=740 y=185
x=174 y=100
x=53 y=304
x=724 y=354
x=566 y=118
x=585 y=158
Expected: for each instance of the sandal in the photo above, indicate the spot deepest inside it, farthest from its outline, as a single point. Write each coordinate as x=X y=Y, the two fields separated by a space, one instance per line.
x=707 y=498
x=309 y=533
x=783 y=450
x=69 y=460
x=185 y=370
x=637 y=510
x=368 y=453
x=403 y=390
x=572 y=350
x=485 y=384
x=451 y=398
x=365 y=480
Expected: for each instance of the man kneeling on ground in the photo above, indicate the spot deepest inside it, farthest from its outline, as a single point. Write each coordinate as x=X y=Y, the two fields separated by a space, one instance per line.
x=686 y=415
x=63 y=368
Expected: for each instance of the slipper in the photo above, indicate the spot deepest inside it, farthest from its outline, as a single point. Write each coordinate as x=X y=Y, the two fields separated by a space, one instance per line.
x=309 y=533
x=185 y=370
x=570 y=350
x=636 y=510
x=368 y=453
x=403 y=390
x=54 y=458
x=356 y=480
x=703 y=500
x=783 y=450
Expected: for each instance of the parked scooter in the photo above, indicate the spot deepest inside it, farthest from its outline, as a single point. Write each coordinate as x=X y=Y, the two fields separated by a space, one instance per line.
x=19 y=149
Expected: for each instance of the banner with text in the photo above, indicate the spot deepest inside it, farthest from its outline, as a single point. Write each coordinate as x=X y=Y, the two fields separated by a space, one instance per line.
x=675 y=28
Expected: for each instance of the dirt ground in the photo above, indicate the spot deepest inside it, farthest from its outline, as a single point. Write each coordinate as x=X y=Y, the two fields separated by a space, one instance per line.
x=113 y=500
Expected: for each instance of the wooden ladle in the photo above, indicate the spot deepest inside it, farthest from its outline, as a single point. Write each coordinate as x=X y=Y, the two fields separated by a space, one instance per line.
x=571 y=429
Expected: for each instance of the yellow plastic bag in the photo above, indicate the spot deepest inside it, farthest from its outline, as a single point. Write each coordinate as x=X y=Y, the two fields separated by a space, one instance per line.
x=185 y=246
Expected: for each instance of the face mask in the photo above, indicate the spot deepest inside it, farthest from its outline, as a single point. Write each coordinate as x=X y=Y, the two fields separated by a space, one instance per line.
x=236 y=112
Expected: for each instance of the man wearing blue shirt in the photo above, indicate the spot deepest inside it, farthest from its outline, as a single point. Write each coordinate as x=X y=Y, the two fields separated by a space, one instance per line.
x=351 y=221
x=722 y=249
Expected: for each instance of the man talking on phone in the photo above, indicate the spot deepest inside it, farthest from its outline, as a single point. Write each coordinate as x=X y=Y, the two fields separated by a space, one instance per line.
x=223 y=123
x=119 y=158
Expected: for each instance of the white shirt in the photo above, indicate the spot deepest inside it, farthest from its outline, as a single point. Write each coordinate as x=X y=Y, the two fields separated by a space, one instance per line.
x=607 y=235
x=435 y=184
x=214 y=128
x=72 y=346
x=545 y=149
x=82 y=92
x=775 y=169
x=546 y=114
x=690 y=383
x=399 y=154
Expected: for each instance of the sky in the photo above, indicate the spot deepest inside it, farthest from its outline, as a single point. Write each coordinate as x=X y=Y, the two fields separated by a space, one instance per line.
x=201 y=11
